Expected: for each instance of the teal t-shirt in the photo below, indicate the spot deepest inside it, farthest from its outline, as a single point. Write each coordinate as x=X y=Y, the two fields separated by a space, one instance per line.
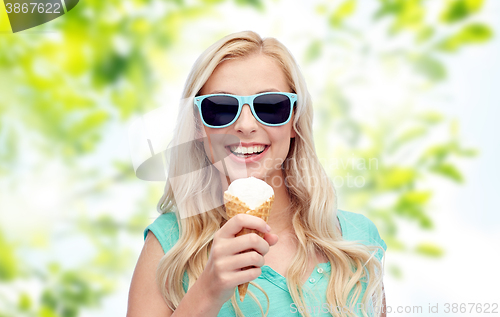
x=354 y=227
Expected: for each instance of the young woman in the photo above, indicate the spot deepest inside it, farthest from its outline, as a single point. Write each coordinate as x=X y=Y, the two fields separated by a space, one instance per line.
x=246 y=94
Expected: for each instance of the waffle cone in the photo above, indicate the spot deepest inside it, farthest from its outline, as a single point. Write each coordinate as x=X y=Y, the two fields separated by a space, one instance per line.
x=235 y=206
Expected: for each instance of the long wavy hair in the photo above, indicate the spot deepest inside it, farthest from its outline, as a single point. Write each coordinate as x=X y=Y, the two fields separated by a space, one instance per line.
x=312 y=195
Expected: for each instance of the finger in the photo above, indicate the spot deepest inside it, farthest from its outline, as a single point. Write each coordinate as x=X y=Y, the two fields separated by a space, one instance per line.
x=271 y=239
x=251 y=241
x=246 y=260
x=238 y=222
x=245 y=276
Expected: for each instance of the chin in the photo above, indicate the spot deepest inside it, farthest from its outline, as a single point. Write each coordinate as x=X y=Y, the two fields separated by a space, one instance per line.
x=257 y=175
x=262 y=175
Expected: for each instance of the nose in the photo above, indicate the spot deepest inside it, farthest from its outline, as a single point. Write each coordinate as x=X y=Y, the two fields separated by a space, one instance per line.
x=246 y=122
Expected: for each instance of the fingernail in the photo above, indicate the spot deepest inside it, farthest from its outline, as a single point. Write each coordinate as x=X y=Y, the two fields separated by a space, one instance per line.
x=268 y=228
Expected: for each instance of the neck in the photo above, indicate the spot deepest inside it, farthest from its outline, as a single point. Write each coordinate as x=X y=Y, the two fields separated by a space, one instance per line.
x=280 y=218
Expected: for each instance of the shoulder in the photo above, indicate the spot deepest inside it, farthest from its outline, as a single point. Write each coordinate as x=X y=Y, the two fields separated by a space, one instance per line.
x=166 y=230
x=145 y=298
x=357 y=227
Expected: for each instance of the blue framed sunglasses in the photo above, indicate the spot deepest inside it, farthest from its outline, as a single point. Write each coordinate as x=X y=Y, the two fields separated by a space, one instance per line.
x=269 y=108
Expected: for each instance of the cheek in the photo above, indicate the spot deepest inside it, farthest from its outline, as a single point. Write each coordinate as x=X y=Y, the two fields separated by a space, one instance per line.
x=281 y=136
x=214 y=141
x=281 y=143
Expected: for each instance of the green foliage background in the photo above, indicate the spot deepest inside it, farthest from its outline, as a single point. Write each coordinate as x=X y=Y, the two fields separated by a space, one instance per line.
x=68 y=93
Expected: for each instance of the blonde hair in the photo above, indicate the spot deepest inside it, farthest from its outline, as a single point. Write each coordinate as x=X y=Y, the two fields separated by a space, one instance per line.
x=313 y=199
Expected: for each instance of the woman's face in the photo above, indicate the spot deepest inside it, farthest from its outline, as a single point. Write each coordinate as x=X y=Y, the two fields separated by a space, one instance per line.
x=246 y=76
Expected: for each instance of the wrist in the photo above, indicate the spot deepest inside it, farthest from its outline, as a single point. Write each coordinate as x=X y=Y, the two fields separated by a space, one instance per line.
x=198 y=301
x=208 y=291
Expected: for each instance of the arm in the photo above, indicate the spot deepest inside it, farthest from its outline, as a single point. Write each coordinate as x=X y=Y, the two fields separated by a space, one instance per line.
x=145 y=298
x=217 y=282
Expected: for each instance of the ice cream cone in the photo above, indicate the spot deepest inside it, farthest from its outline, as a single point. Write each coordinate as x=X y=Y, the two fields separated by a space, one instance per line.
x=235 y=206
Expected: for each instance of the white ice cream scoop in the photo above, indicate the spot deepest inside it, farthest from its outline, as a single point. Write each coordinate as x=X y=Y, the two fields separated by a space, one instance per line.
x=252 y=191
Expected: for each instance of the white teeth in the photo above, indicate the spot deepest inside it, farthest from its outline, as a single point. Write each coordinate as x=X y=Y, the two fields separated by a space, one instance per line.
x=247 y=150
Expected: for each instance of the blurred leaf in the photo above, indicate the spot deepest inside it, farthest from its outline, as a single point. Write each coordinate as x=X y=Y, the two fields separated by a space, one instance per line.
x=475 y=33
x=448 y=171
x=431 y=117
x=313 y=51
x=9 y=146
x=110 y=69
x=437 y=153
x=406 y=137
x=25 y=302
x=415 y=197
x=47 y=312
x=257 y=4
x=474 y=5
x=125 y=169
x=429 y=249
x=105 y=225
x=88 y=123
x=386 y=224
x=455 y=11
x=395 y=177
x=468 y=152
x=344 y=10
x=460 y=9
x=430 y=67
x=424 y=34
x=126 y=99
x=49 y=299
x=75 y=289
x=108 y=259
x=8 y=263
x=411 y=205
x=454 y=128
x=68 y=291
x=54 y=268
x=321 y=9
x=396 y=271
x=137 y=223
x=213 y=2
x=410 y=16
x=394 y=244
x=388 y=8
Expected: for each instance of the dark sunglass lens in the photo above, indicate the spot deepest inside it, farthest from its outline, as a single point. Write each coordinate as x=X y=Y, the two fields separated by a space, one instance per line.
x=219 y=110
x=272 y=108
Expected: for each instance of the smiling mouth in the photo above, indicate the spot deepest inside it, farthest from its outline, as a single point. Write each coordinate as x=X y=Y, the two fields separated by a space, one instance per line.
x=240 y=152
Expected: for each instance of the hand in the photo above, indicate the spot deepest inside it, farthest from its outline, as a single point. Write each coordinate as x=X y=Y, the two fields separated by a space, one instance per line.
x=223 y=271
